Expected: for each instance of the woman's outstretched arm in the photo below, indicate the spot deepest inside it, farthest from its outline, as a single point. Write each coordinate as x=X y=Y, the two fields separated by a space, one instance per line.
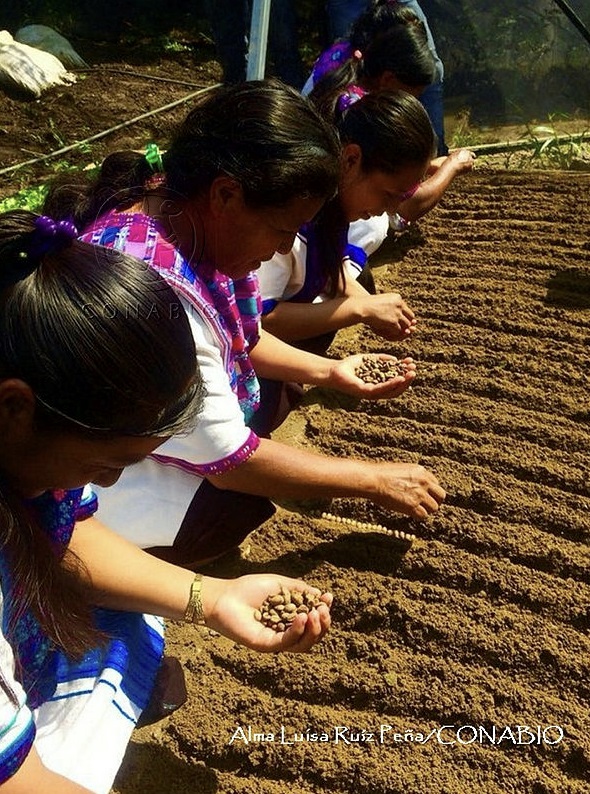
x=124 y=577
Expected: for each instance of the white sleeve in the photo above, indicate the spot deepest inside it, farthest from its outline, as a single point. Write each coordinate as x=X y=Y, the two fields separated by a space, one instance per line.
x=220 y=432
x=17 y=729
x=283 y=276
x=369 y=234
x=149 y=502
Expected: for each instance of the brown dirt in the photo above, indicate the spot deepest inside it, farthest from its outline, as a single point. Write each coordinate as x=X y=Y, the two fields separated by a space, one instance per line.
x=484 y=620
x=124 y=82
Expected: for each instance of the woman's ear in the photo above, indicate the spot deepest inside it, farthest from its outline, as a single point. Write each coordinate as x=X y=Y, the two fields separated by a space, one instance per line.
x=224 y=193
x=17 y=409
x=351 y=164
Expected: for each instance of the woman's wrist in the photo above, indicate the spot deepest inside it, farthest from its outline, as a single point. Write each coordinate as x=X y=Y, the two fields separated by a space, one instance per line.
x=356 y=306
x=319 y=370
x=202 y=598
x=211 y=589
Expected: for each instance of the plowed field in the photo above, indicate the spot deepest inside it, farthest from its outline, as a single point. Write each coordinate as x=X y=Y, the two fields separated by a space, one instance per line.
x=440 y=650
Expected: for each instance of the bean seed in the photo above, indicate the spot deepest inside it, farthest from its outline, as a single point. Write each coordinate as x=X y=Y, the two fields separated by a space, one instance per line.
x=279 y=610
x=378 y=370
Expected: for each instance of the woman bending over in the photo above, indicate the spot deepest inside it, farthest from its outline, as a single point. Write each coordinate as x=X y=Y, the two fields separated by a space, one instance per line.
x=250 y=165
x=97 y=368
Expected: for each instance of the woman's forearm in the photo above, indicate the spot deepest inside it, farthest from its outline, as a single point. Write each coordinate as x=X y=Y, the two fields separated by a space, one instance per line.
x=124 y=577
x=292 y=322
x=280 y=471
x=272 y=358
x=127 y=578
x=33 y=777
x=277 y=470
x=433 y=188
x=428 y=195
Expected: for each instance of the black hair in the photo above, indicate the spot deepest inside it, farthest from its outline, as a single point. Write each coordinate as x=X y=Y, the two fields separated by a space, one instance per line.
x=100 y=337
x=264 y=134
x=106 y=349
x=399 y=45
x=376 y=19
x=393 y=131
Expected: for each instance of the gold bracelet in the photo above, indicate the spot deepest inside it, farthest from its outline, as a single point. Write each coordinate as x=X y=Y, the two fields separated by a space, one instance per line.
x=194 y=609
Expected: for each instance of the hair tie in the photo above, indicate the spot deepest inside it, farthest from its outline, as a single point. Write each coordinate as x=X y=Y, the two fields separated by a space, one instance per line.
x=49 y=237
x=352 y=94
x=357 y=55
x=153 y=157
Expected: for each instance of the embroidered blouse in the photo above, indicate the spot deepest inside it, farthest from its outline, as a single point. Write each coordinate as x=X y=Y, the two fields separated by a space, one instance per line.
x=224 y=317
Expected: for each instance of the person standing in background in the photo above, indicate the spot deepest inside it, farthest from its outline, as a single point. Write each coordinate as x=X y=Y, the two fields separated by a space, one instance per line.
x=230 y=25
x=341 y=16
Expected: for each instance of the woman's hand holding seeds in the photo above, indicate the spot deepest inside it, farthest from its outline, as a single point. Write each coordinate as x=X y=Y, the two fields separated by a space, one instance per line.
x=241 y=609
x=372 y=377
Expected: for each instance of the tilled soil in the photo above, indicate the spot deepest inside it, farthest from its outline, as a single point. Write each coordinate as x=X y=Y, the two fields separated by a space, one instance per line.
x=122 y=84
x=440 y=650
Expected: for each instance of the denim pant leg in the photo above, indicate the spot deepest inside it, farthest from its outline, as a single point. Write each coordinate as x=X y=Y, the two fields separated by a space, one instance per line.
x=341 y=15
x=283 y=43
x=432 y=98
x=230 y=21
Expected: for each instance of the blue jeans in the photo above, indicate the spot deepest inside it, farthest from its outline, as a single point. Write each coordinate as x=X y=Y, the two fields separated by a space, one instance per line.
x=341 y=15
x=230 y=25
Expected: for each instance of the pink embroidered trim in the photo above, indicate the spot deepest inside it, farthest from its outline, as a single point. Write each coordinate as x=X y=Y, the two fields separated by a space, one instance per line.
x=154 y=181
x=232 y=461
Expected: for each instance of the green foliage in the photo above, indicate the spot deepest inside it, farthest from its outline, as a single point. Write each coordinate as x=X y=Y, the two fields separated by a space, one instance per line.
x=173 y=45
x=463 y=135
x=550 y=150
x=31 y=197
x=28 y=198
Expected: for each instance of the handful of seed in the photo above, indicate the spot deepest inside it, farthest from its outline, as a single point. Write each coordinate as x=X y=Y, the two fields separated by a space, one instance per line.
x=278 y=611
x=379 y=370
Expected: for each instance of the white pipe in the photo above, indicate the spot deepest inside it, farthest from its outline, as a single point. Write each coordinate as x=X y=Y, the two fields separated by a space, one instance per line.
x=258 y=39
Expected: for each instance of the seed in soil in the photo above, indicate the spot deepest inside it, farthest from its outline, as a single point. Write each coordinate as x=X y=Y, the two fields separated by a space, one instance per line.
x=366 y=527
x=380 y=370
x=278 y=611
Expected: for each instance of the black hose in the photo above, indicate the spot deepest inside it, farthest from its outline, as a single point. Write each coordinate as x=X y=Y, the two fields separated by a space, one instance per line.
x=574 y=19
